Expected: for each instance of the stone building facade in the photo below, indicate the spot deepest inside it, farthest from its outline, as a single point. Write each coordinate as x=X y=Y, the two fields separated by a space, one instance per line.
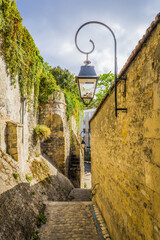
x=125 y=151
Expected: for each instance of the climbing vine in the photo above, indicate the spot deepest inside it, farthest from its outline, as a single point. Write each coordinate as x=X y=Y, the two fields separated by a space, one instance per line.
x=21 y=54
x=24 y=62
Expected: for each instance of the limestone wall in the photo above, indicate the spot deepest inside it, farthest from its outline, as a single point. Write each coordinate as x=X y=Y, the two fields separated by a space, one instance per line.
x=22 y=198
x=62 y=146
x=125 y=151
x=57 y=147
x=14 y=110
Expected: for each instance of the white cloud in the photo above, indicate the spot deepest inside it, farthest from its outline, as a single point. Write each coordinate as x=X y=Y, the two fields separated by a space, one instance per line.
x=66 y=48
x=53 y=26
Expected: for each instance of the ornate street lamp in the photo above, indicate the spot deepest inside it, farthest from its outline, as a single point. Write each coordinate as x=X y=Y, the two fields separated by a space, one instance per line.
x=87 y=79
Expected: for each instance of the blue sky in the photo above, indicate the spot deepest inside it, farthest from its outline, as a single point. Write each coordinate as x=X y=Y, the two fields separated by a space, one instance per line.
x=53 y=25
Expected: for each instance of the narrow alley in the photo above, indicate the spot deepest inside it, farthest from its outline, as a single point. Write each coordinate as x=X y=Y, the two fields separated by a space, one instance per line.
x=79 y=132
x=77 y=219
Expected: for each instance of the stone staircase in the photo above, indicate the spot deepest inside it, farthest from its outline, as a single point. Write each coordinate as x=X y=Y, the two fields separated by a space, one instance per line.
x=74 y=171
x=76 y=219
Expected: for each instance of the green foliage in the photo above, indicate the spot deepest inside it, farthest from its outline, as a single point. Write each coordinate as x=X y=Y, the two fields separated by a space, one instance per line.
x=42 y=132
x=41 y=219
x=35 y=235
x=33 y=193
x=66 y=81
x=21 y=54
x=47 y=85
x=37 y=154
x=70 y=198
x=28 y=178
x=25 y=63
x=104 y=83
x=16 y=175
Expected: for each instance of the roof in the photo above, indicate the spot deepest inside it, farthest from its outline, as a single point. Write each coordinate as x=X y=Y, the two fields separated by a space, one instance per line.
x=129 y=60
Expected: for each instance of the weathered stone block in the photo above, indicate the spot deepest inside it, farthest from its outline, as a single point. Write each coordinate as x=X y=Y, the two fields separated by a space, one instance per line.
x=148 y=226
x=156 y=99
x=152 y=177
x=152 y=128
x=156 y=151
x=156 y=206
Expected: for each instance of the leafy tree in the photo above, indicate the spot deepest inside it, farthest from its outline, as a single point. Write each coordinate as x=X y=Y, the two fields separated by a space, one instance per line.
x=66 y=81
x=47 y=87
x=104 y=83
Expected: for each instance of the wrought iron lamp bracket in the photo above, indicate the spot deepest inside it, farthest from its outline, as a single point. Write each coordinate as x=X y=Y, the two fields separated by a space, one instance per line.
x=93 y=47
x=124 y=94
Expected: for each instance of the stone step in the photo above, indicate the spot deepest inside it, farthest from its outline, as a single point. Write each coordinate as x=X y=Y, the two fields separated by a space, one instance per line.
x=74 y=220
x=74 y=169
x=74 y=165
x=78 y=194
x=69 y=221
x=75 y=161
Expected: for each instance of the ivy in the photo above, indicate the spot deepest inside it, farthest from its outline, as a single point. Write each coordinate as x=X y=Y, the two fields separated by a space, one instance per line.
x=25 y=63
x=47 y=85
x=66 y=81
x=21 y=54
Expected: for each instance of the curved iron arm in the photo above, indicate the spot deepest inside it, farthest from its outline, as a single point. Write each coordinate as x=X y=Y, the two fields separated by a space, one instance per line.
x=93 y=47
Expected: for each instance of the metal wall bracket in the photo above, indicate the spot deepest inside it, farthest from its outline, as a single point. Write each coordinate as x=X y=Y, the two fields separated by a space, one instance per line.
x=124 y=94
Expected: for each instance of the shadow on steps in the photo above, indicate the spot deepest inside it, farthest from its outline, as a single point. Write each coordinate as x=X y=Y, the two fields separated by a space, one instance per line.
x=78 y=194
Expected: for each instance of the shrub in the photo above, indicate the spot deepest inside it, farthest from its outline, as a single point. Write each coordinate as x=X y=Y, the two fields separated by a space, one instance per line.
x=15 y=175
x=41 y=219
x=41 y=132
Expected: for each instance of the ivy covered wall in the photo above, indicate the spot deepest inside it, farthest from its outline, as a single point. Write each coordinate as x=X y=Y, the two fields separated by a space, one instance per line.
x=24 y=62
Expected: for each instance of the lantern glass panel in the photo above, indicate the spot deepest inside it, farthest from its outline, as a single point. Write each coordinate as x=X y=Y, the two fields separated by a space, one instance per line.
x=87 y=88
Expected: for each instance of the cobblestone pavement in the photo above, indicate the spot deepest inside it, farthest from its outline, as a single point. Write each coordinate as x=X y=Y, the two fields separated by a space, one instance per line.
x=73 y=220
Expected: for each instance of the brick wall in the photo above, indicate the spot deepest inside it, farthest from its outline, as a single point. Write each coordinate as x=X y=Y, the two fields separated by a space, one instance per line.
x=125 y=151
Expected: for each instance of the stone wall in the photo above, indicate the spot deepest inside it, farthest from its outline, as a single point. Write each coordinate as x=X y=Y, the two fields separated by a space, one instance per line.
x=57 y=147
x=63 y=147
x=125 y=151
x=14 y=140
x=22 y=197
x=26 y=180
x=18 y=112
